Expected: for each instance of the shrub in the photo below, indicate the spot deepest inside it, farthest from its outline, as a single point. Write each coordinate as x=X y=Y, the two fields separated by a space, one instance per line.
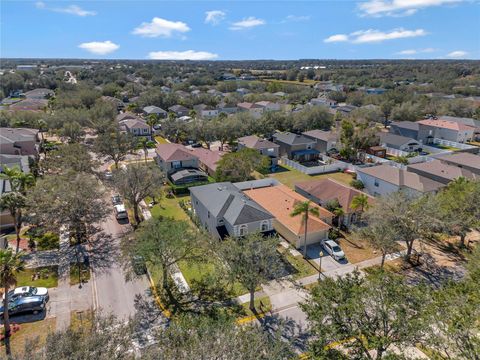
x=357 y=184
x=334 y=233
x=48 y=241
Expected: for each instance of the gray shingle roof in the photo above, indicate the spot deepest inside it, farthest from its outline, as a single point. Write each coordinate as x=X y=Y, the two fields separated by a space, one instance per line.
x=392 y=139
x=291 y=138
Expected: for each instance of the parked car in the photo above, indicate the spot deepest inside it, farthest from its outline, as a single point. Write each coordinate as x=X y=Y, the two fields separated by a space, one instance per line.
x=24 y=304
x=120 y=212
x=333 y=249
x=108 y=175
x=26 y=291
x=116 y=199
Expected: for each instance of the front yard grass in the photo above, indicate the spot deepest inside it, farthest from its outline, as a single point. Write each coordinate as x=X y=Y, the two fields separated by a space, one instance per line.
x=301 y=266
x=47 y=277
x=84 y=271
x=30 y=331
x=262 y=305
x=289 y=176
x=169 y=207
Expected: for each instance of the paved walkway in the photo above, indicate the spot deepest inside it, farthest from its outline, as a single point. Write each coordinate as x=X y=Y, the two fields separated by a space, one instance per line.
x=62 y=304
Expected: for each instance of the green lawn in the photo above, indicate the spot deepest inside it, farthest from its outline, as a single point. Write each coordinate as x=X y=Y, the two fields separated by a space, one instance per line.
x=302 y=267
x=291 y=176
x=48 y=277
x=262 y=304
x=161 y=140
x=444 y=147
x=28 y=332
x=169 y=207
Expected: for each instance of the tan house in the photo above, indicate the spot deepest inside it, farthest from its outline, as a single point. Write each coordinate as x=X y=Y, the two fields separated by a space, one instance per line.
x=173 y=157
x=280 y=201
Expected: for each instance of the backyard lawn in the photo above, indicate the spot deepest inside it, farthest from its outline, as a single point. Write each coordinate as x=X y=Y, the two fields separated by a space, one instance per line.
x=48 y=277
x=169 y=207
x=290 y=177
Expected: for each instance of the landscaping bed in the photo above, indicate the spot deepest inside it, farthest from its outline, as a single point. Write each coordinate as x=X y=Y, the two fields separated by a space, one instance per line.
x=74 y=273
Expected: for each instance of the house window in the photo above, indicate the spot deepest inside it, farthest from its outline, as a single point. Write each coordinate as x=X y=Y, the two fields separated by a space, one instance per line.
x=264 y=226
x=376 y=183
x=242 y=230
x=309 y=147
x=176 y=164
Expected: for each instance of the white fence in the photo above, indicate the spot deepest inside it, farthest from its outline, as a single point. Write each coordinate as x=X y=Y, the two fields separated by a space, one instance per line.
x=453 y=144
x=314 y=170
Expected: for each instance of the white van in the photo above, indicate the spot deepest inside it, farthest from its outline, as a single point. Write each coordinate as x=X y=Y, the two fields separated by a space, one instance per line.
x=120 y=212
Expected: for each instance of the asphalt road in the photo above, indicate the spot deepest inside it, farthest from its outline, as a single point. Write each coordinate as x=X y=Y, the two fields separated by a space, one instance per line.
x=112 y=293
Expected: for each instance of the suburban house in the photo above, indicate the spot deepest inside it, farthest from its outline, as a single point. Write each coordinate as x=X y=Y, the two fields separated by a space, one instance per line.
x=345 y=109
x=324 y=140
x=29 y=105
x=224 y=210
x=40 y=93
x=465 y=121
x=296 y=147
x=149 y=110
x=441 y=172
x=136 y=127
x=254 y=109
x=179 y=110
x=173 y=157
x=384 y=179
x=323 y=101
x=325 y=190
x=263 y=146
x=19 y=141
x=280 y=201
x=269 y=105
x=405 y=128
x=21 y=162
x=399 y=142
x=462 y=160
x=443 y=129
x=205 y=111
x=126 y=115
x=223 y=107
x=207 y=159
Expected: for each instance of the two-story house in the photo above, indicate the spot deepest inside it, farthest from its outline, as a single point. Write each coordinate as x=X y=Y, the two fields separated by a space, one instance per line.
x=324 y=140
x=224 y=210
x=444 y=129
x=296 y=147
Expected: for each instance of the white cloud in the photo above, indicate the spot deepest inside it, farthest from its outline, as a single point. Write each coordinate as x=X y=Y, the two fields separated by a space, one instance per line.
x=457 y=54
x=99 y=47
x=182 y=55
x=71 y=9
x=416 y=51
x=159 y=27
x=378 y=8
x=336 y=38
x=297 y=18
x=375 y=36
x=247 y=23
x=214 y=17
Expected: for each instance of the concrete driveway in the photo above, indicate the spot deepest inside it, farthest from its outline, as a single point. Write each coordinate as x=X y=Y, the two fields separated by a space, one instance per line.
x=328 y=262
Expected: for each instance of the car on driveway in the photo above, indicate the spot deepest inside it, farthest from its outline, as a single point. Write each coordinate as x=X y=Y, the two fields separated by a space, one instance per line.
x=25 y=304
x=333 y=249
x=108 y=175
x=25 y=291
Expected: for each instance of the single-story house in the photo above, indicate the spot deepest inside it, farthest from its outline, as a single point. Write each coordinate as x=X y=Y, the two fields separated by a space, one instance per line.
x=441 y=172
x=205 y=111
x=40 y=93
x=325 y=190
x=29 y=104
x=384 y=179
x=296 y=147
x=149 y=110
x=179 y=110
x=254 y=109
x=224 y=210
x=269 y=105
x=126 y=115
x=462 y=160
x=443 y=129
x=263 y=146
x=324 y=140
x=399 y=142
x=280 y=201
x=322 y=101
x=223 y=107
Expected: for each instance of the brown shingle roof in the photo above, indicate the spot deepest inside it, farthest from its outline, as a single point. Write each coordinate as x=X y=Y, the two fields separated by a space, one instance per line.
x=444 y=124
x=254 y=142
x=174 y=152
x=328 y=189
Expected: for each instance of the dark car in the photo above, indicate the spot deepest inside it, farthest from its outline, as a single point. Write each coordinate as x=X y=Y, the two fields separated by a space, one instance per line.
x=24 y=304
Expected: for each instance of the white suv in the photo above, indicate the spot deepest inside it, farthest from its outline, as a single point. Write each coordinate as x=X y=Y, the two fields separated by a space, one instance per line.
x=333 y=249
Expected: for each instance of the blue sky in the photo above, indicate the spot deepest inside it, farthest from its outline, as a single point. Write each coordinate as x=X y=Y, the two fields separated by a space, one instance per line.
x=230 y=30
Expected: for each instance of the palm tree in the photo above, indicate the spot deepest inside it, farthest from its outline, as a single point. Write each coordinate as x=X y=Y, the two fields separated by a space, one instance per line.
x=144 y=143
x=339 y=214
x=359 y=202
x=304 y=209
x=42 y=126
x=14 y=202
x=10 y=265
x=151 y=121
x=19 y=181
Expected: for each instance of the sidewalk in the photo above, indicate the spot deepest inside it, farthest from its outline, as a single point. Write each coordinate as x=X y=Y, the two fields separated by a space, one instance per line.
x=62 y=305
